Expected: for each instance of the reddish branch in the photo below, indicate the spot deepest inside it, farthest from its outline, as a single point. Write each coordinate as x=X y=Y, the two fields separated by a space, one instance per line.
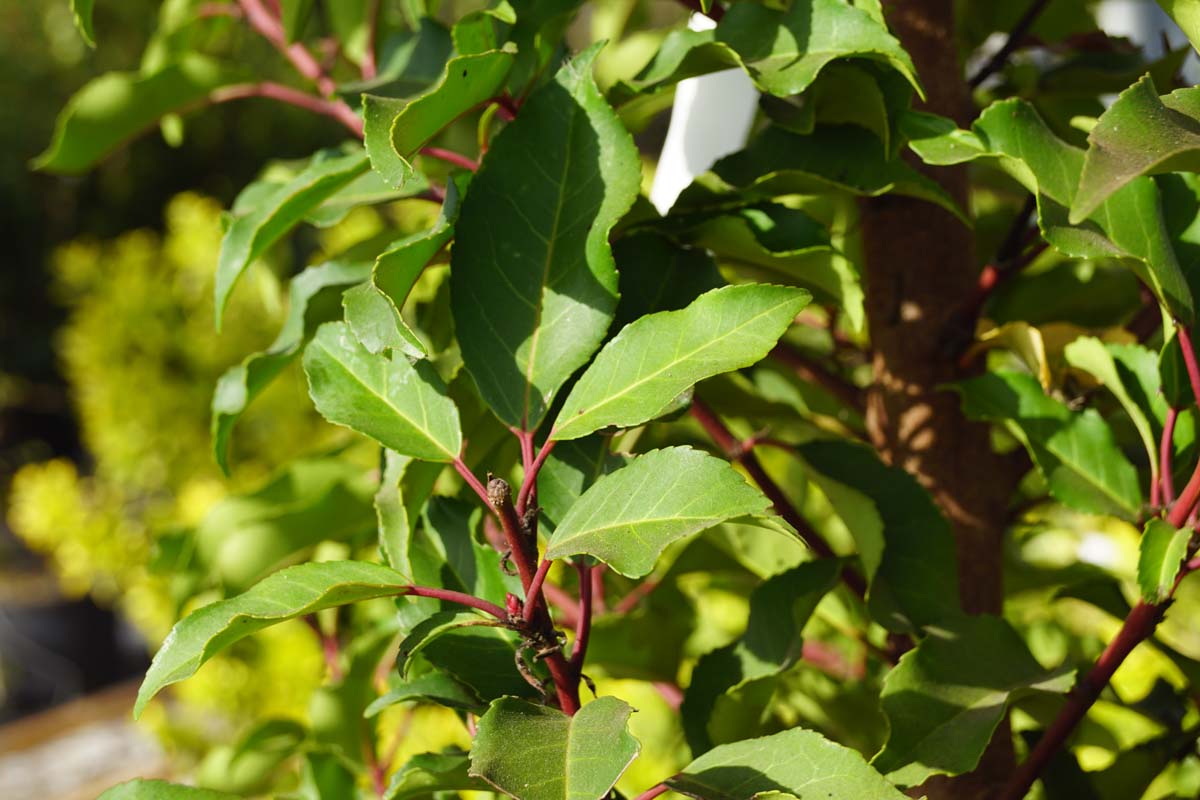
x=457 y=597
x=783 y=506
x=583 y=627
x=369 y=69
x=271 y=29
x=334 y=109
x=1166 y=481
x=812 y=371
x=1138 y=626
x=1015 y=36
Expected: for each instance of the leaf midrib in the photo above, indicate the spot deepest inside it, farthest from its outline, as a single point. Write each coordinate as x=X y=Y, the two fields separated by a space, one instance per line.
x=428 y=436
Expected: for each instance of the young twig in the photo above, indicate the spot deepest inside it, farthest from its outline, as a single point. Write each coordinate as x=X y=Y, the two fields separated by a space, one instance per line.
x=1165 y=449
x=286 y=94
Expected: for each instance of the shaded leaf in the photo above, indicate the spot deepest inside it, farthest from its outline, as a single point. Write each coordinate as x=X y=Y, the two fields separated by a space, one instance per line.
x=629 y=516
x=779 y=609
x=570 y=470
x=1076 y=451
x=657 y=274
x=377 y=324
x=285 y=595
x=425 y=774
x=945 y=698
x=309 y=501
x=640 y=373
x=115 y=107
x=533 y=287
x=798 y=762
x=278 y=211
x=470 y=648
x=1160 y=557
x=434 y=687
x=906 y=545
x=401 y=404
x=394 y=130
x=294 y=15
x=577 y=758
x=410 y=61
x=313 y=300
x=81 y=11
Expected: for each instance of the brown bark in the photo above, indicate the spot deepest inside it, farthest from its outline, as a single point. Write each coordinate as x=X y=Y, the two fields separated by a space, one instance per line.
x=920 y=270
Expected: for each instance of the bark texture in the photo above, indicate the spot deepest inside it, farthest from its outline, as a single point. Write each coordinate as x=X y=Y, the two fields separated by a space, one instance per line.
x=920 y=271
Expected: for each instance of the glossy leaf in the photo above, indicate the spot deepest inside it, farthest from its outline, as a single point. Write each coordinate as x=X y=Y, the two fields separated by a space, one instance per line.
x=1186 y=14
x=281 y=209
x=782 y=51
x=640 y=372
x=401 y=404
x=1160 y=557
x=287 y=594
x=570 y=470
x=312 y=300
x=1137 y=135
x=779 y=609
x=629 y=516
x=394 y=130
x=141 y=789
x=1074 y=450
x=945 y=698
x=799 y=762
x=906 y=545
x=377 y=324
x=533 y=287
x=115 y=107
x=428 y=773
x=577 y=758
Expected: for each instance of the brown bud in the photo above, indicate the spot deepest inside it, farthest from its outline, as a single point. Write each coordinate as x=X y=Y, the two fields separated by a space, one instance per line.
x=498 y=492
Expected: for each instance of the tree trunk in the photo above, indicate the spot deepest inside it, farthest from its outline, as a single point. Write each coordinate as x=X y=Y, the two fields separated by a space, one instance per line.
x=920 y=272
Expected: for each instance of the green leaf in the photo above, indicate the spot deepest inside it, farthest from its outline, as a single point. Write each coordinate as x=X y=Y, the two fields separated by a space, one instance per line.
x=313 y=300
x=81 y=11
x=474 y=650
x=641 y=371
x=410 y=61
x=849 y=158
x=377 y=324
x=779 y=609
x=658 y=274
x=782 y=51
x=1160 y=557
x=295 y=14
x=428 y=773
x=400 y=404
x=1091 y=355
x=161 y=790
x=368 y=189
x=945 y=698
x=434 y=687
x=1137 y=135
x=1076 y=451
x=373 y=311
x=395 y=130
x=287 y=594
x=799 y=762
x=1186 y=14
x=577 y=758
x=906 y=545
x=115 y=107
x=396 y=507
x=629 y=516
x=533 y=287
x=275 y=214
x=310 y=501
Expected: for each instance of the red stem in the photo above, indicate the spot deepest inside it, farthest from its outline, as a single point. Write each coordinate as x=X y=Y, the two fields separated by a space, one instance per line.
x=630 y=601
x=783 y=507
x=271 y=29
x=458 y=597
x=598 y=596
x=472 y=481
x=1164 y=458
x=450 y=157
x=1189 y=358
x=811 y=371
x=369 y=69
x=652 y=792
x=534 y=592
x=583 y=628
x=286 y=94
x=529 y=483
